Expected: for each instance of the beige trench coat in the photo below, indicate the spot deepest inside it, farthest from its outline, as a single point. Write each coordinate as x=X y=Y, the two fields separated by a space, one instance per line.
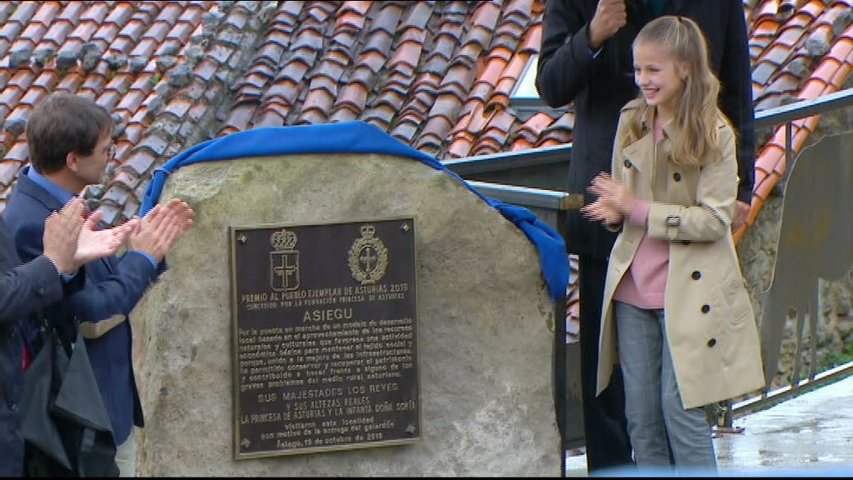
x=710 y=325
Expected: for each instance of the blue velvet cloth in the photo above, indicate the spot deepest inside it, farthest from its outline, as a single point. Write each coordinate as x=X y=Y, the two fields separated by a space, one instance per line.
x=359 y=137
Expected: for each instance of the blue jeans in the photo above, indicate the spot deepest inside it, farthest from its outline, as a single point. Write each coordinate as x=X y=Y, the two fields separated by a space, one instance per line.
x=657 y=421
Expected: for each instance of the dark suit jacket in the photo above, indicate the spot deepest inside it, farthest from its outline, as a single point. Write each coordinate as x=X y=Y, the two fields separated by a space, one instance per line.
x=24 y=289
x=113 y=287
x=600 y=87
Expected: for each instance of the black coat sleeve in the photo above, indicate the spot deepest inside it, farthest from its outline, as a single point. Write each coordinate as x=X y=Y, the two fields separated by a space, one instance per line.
x=28 y=288
x=736 y=96
x=565 y=59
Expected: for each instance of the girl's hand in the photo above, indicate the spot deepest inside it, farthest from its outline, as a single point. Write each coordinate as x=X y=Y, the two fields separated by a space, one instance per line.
x=602 y=212
x=612 y=193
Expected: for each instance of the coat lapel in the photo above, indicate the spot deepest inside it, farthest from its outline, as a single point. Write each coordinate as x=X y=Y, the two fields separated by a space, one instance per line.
x=641 y=151
x=31 y=189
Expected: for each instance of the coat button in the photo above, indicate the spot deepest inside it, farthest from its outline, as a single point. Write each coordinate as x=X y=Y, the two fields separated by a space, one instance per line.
x=12 y=406
x=627 y=163
x=676 y=176
x=696 y=275
x=706 y=308
x=42 y=291
x=712 y=342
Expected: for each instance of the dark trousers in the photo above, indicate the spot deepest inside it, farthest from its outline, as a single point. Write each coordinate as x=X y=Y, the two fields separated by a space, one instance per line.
x=605 y=426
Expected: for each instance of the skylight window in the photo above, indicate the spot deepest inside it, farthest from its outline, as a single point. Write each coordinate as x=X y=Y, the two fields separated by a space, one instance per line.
x=524 y=98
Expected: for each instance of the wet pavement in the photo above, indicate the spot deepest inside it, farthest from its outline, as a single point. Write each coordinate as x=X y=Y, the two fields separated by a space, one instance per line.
x=808 y=435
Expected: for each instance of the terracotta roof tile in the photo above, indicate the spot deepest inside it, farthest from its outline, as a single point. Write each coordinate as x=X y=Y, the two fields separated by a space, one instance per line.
x=132 y=100
x=33 y=96
x=8 y=171
x=24 y=12
x=70 y=82
x=10 y=96
x=380 y=117
x=6 y=9
x=534 y=126
x=46 y=13
x=406 y=127
x=18 y=153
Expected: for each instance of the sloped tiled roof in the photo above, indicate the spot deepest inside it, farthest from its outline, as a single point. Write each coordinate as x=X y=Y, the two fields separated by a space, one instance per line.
x=435 y=75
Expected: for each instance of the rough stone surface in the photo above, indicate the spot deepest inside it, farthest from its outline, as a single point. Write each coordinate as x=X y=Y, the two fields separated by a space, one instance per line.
x=485 y=323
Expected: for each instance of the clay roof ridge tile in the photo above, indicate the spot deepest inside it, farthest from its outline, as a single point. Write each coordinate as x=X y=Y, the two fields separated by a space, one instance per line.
x=417 y=16
x=120 y=14
x=520 y=7
x=485 y=15
x=532 y=39
x=285 y=91
x=349 y=19
x=812 y=8
x=318 y=12
x=6 y=9
x=46 y=13
x=353 y=97
x=146 y=11
x=456 y=8
x=170 y=12
x=408 y=53
x=290 y=9
x=309 y=37
x=390 y=97
x=378 y=41
x=24 y=11
x=331 y=69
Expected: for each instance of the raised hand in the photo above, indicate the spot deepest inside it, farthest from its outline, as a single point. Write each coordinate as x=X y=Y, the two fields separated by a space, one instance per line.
x=161 y=227
x=95 y=243
x=184 y=214
x=61 y=234
x=601 y=212
x=609 y=17
x=613 y=193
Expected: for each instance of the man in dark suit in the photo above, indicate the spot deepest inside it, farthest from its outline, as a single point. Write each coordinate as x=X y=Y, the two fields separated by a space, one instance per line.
x=585 y=59
x=27 y=288
x=70 y=145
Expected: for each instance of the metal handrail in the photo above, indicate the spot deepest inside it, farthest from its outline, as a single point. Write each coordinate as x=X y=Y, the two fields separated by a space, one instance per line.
x=529 y=197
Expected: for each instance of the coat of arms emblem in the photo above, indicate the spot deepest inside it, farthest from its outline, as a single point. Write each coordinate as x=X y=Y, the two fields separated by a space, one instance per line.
x=284 y=261
x=368 y=257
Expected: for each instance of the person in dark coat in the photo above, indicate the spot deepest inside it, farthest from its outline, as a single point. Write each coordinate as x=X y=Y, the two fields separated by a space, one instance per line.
x=585 y=59
x=70 y=145
x=27 y=288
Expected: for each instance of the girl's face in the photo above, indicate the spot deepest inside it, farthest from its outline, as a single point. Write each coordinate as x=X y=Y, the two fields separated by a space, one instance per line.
x=657 y=75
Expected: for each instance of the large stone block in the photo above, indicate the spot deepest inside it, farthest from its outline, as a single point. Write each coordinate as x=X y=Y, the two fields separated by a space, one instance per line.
x=485 y=323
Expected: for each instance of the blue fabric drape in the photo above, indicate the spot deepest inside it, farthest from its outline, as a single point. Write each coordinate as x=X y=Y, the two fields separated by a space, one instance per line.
x=359 y=137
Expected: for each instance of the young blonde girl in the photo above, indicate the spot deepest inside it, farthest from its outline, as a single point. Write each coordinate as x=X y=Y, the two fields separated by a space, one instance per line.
x=675 y=314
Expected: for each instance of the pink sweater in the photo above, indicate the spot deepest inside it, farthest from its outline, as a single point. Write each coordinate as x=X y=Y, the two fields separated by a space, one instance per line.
x=644 y=284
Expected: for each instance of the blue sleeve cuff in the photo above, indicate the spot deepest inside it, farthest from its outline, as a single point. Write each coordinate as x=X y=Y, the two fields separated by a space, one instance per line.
x=147 y=257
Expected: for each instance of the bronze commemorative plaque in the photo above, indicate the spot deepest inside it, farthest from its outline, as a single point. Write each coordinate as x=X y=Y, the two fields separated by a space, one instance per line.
x=324 y=337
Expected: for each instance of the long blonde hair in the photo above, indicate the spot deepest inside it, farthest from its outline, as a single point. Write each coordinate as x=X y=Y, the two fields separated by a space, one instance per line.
x=696 y=111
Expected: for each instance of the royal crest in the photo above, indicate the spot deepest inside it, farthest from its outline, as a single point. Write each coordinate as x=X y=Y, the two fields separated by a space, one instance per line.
x=284 y=261
x=368 y=257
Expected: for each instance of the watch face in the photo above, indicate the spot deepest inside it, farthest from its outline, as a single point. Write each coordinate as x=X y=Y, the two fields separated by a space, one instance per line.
x=673 y=221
